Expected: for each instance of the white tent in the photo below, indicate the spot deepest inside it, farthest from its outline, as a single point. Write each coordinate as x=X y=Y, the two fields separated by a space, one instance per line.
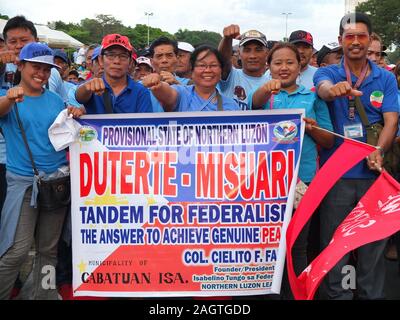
x=53 y=38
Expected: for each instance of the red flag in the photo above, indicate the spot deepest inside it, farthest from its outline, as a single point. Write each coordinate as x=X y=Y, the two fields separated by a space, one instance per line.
x=376 y=217
x=346 y=156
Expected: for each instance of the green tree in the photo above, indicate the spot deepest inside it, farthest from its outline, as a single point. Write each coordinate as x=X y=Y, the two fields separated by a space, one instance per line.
x=75 y=30
x=394 y=56
x=93 y=30
x=109 y=24
x=4 y=16
x=198 y=37
x=138 y=35
x=385 y=17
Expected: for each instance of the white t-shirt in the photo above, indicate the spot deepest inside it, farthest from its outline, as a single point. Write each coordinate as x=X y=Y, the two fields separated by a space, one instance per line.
x=81 y=56
x=306 y=77
x=239 y=85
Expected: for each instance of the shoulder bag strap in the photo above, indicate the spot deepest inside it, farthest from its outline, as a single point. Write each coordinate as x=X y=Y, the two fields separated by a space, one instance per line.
x=35 y=170
x=219 y=99
x=361 y=111
x=107 y=101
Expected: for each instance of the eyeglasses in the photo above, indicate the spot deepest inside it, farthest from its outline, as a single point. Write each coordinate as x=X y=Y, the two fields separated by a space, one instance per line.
x=112 y=56
x=203 y=66
x=351 y=37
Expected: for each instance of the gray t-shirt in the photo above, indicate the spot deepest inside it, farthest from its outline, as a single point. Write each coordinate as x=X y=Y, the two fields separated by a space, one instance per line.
x=239 y=86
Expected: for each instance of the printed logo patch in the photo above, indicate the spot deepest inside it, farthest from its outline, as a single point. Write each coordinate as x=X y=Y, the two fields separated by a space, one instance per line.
x=377 y=99
x=87 y=134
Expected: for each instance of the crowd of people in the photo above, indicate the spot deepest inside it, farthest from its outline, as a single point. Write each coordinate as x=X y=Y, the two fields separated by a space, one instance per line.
x=110 y=77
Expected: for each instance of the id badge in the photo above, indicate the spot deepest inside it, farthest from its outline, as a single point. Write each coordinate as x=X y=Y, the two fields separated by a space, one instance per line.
x=353 y=130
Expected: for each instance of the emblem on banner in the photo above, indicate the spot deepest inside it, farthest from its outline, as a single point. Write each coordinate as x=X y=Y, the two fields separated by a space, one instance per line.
x=285 y=132
x=87 y=134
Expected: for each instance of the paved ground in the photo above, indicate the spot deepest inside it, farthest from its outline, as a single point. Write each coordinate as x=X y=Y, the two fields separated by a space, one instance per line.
x=392 y=286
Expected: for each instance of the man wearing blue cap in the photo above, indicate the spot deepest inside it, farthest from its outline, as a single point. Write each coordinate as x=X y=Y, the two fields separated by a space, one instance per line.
x=22 y=219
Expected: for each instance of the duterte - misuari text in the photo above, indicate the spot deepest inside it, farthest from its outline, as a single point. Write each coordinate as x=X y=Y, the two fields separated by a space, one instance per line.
x=185 y=135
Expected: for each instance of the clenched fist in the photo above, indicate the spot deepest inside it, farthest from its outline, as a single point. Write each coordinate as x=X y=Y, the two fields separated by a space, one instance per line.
x=96 y=86
x=168 y=77
x=232 y=32
x=343 y=89
x=8 y=56
x=273 y=86
x=152 y=80
x=15 y=94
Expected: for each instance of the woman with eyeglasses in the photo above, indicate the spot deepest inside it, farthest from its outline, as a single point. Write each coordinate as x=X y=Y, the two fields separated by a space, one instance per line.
x=203 y=95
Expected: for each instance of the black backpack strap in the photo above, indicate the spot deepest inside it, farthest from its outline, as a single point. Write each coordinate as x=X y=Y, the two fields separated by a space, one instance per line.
x=107 y=101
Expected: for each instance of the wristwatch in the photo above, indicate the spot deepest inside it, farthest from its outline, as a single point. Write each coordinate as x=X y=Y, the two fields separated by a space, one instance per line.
x=381 y=150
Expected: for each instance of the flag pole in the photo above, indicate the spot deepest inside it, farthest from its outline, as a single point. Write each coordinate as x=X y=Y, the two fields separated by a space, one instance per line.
x=343 y=137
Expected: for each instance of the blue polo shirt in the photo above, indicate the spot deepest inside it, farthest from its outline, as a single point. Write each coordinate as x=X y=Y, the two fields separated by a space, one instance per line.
x=314 y=108
x=135 y=98
x=189 y=100
x=379 y=96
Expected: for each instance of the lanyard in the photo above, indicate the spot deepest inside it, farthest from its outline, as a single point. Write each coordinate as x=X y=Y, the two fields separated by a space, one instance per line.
x=360 y=80
x=271 y=102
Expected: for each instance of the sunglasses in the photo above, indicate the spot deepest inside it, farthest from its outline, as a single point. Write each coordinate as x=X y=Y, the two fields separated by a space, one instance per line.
x=351 y=37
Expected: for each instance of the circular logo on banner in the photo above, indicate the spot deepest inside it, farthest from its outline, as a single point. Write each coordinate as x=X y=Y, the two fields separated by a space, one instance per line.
x=285 y=131
x=87 y=134
x=377 y=99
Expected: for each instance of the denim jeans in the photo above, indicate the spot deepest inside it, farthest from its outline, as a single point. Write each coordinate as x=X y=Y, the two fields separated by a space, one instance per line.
x=45 y=228
x=3 y=185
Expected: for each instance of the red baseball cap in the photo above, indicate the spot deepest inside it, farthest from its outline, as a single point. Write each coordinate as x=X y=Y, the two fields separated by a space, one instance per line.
x=116 y=40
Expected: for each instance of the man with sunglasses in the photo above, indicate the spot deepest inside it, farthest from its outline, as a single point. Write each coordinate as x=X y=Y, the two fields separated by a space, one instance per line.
x=115 y=92
x=356 y=76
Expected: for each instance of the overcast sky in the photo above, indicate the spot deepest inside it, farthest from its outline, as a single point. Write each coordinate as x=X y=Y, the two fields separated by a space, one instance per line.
x=320 y=17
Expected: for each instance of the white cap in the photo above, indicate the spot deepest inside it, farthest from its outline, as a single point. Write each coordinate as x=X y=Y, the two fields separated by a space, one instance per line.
x=144 y=60
x=184 y=46
x=333 y=46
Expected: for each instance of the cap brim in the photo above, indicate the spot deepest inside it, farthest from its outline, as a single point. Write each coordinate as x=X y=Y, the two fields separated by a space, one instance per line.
x=116 y=45
x=336 y=49
x=43 y=62
x=146 y=64
x=66 y=61
x=302 y=41
x=242 y=43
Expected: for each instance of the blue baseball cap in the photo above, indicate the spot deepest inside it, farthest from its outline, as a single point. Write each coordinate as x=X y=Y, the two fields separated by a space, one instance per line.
x=96 y=53
x=62 y=55
x=37 y=52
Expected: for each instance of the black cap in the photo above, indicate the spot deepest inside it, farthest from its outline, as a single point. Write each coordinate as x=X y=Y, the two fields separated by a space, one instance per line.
x=62 y=55
x=271 y=43
x=301 y=36
x=326 y=49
